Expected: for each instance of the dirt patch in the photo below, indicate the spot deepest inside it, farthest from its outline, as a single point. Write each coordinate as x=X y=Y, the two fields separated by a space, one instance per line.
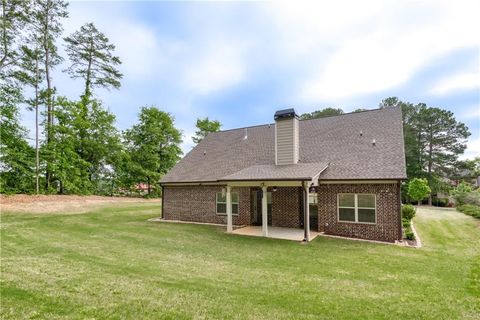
x=63 y=204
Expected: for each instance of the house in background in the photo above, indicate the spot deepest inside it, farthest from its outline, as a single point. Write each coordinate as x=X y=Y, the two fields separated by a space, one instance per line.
x=338 y=175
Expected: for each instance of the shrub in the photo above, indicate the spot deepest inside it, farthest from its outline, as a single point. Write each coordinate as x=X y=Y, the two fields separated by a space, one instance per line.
x=472 y=198
x=408 y=211
x=406 y=223
x=409 y=235
x=463 y=187
x=471 y=210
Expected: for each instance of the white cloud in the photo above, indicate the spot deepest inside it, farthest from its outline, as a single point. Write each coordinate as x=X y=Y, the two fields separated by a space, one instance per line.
x=362 y=66
x=369 y=46
x=219 y=66
x=187 y=143
x=469 y=113
x=473 y=148
x=457 y=82
x=138 y=48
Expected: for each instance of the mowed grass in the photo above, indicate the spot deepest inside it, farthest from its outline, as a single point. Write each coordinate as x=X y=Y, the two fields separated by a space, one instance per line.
x=114 y=264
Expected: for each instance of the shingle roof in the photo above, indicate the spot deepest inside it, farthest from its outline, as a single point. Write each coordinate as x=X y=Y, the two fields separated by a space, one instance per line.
x=299 y=171
x=334 y=140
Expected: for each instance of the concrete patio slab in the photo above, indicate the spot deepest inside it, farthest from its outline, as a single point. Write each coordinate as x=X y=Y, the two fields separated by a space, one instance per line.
x=275 y=232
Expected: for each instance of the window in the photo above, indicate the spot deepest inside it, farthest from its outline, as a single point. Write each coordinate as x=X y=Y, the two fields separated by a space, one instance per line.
x=221 y=200
x=356 y=208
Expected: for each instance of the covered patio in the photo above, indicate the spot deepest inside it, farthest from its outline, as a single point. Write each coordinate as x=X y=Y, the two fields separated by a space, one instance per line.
x=276 y=233
x=303 y=175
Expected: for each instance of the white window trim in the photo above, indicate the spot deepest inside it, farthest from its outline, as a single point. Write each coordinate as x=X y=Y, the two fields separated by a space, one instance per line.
x=217 y=202
x=356 y=208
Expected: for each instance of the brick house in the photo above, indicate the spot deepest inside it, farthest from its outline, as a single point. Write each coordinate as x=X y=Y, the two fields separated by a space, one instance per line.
x=339 y=175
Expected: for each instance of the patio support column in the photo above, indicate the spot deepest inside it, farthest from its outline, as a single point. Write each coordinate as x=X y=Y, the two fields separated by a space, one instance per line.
x=229 y=210
x=264 y=212
x=306 y=220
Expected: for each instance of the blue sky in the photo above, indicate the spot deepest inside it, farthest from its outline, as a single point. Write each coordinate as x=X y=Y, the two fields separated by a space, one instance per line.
x=238 y=62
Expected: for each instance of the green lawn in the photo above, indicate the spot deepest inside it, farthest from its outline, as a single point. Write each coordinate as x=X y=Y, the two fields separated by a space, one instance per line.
x=114 y=264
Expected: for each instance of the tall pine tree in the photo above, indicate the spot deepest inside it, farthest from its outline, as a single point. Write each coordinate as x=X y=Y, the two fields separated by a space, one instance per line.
x=45 y=25
x=31 y=74
x=92 y=59
x=443 y=139
x=433 y=141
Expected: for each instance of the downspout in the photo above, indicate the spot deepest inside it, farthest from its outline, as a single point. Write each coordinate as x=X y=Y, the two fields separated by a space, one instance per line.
x=400 y=231
x=163 y=200
x=306 y=213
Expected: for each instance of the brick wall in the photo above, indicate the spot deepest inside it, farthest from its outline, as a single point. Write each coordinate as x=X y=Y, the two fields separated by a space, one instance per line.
x=286 y=206
x=388 y=226
x=197 y=203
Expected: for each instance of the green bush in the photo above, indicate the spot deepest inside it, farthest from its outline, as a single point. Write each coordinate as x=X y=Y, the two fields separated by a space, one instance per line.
x=409 y=235
x=472 y=198
x=470 y=209
x=408 y=211
x=464 y=194
x=463 y=187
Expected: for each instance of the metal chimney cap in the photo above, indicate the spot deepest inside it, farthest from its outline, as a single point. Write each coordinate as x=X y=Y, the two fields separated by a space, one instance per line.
x=285 y=114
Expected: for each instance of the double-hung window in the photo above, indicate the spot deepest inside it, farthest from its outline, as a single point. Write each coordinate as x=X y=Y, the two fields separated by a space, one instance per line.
x=221 y=203
x=357 y=208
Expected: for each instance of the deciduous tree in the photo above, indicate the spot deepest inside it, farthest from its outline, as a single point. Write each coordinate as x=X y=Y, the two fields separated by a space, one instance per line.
x=16 y=165
x=88 y=129
x=153 y=145
x=418 y=189
x=205 y=126
x=360 y=110
x=326 y=112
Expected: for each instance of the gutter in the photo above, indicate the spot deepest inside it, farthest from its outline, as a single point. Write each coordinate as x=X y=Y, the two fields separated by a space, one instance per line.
x=163 y=201
x=279 y=179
